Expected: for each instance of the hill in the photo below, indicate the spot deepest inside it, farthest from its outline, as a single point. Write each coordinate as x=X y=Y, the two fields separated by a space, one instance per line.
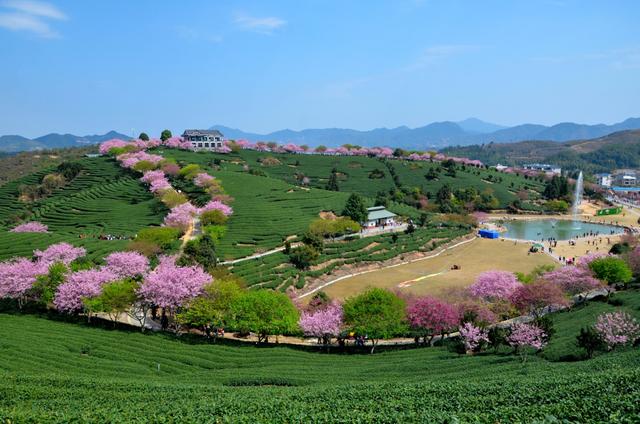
x=617 y=150
x=16 y=143
x=56 y=371
x=436 y=135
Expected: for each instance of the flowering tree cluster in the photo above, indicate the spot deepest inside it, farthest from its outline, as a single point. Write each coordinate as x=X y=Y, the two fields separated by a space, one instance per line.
x=169 y=285
x=127 y=264
x=17 y=276
x=617 y=329
x=181 y=216
x=431 y=316
x=30 y=227
x=526 y=335
x=495 y=285
x=203 y=179
x=79 y=286
x=532 y=298
x=323 y=323
x=129 y=160
x=472 y=336
x=573 y=279
x=60 y=252
x=216 y=205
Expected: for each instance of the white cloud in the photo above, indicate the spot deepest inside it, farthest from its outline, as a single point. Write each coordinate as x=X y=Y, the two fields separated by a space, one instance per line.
x=35 y=8
x=265 y=25
x=30 y=16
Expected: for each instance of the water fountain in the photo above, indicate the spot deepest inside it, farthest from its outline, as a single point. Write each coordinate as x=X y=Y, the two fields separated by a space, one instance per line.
x=577 y=200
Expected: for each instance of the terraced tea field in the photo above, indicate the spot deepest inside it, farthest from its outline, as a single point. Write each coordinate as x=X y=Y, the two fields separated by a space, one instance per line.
x=65 y=372
x=103 y=199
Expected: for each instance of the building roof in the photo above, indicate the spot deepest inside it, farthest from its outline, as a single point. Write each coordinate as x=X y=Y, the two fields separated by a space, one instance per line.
x=378 y=212
x=214 y=133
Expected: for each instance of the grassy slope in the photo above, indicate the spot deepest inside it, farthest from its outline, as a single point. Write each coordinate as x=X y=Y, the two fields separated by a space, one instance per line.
x=47 y=378
x=103 y=199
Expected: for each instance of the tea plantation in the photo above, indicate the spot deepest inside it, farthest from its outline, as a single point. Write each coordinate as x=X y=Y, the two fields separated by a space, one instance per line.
x=102 y=200
x=68 y=372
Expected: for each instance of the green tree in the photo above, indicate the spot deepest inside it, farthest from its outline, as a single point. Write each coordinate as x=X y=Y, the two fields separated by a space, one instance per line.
x=432 y=174
x=213 y=308
x=165 y=135
x=590 y=341
x=376 y=313
x=116 y=299
x=46 y=285
x=143 y=136
x=382 y=199
x=556 y=187
x=355 y=208
x=213 y=217
x=332 y=184
x=611 y=270
x=302 y=256
x=201 y=251
x=264 y=312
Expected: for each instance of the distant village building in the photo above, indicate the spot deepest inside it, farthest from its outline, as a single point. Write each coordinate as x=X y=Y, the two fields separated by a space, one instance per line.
x=604 y=180
x=204 y=139
x=501 y=167
x=624 y=178
x=379 y=216
x=543 y=167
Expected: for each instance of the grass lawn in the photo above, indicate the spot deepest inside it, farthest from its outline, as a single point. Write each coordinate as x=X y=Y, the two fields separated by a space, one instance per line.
x=434 y=275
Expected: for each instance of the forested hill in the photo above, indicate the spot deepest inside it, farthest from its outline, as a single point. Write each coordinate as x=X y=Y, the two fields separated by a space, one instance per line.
x=617 y=150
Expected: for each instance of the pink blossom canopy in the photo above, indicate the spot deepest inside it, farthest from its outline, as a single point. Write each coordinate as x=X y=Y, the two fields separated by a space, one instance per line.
x=17 y=276
x=472 y=336
x=60 y=252
x=617 y=328
x=127 y=264
x=79 y=286
x=433 y=315
x=30 y=227
x=573 y=279
x=494 y=285
x=322 y=322
x=216 y=205
x=526 y=335
x=181 y=216
x=110 y=144
x=169 y=285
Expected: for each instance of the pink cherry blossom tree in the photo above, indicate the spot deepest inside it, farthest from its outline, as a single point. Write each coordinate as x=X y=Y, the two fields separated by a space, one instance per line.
x=494 y=285
x=110 y=144
x=617 y=329
x=17 y=277
x=203 y=179
x=430 y=316
x=181 y=216
x=169 y=285
x=59 y=252
x=584 y=261
x=127 y=264
x=30 y=227
x=525 y=336
x=473 y=337
x=573 y=279
x=323 y=323
x=214 y=205
x=79 y=286
x=535 y=297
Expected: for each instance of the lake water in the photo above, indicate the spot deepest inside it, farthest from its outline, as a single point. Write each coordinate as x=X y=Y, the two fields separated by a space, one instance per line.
x=538 y=229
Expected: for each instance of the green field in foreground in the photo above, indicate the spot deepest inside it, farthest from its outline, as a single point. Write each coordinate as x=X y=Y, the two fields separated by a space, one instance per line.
x=62 y=372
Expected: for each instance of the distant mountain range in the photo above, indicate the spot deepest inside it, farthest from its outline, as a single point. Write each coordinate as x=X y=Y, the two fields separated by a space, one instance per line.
x=17 y=143
x=617 y=150
x=436 y=135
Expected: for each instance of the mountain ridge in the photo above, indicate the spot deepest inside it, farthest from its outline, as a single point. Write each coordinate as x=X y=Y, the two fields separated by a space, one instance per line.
x=437 y=135
x=18 y=143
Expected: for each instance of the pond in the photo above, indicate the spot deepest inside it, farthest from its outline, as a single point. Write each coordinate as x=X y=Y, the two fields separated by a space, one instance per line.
x=538 y=229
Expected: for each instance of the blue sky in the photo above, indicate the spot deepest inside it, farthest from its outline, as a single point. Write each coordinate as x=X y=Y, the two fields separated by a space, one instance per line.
x=91 y=66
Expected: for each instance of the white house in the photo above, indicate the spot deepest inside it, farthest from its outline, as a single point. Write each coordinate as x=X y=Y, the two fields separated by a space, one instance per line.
x=543 y=167
x=604 y=180
x=379 y=216
x=204 y=139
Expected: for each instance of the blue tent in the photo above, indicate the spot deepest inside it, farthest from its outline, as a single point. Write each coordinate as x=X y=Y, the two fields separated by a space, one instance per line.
x=490 y=234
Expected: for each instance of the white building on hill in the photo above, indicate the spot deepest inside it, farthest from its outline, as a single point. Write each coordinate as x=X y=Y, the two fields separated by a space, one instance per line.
x=379 y=216
x=204 y=139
